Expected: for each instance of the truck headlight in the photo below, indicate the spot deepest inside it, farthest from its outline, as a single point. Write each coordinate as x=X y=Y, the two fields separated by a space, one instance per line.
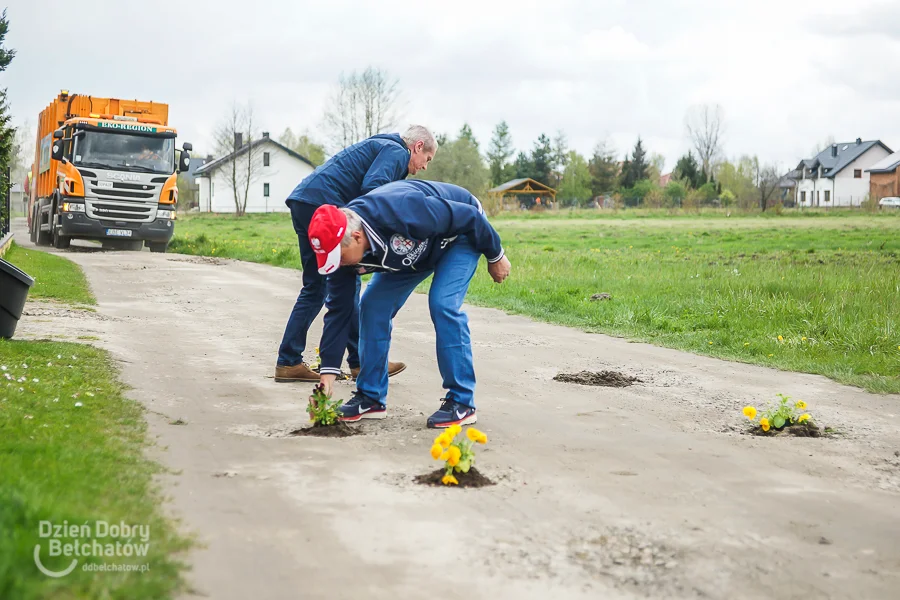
x=73 y=207
x=165 y=214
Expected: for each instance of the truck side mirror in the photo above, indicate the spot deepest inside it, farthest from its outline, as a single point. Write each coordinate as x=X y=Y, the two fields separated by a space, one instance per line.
x=57 y=134
x=56 y=153
x=188 y=146
x=184 y=163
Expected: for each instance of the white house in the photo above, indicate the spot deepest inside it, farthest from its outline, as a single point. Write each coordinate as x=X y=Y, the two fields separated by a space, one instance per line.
x=838 y=175
x=277 y=171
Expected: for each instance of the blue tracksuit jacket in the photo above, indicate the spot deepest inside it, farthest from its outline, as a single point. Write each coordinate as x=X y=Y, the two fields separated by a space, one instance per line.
x=354 y=171
x=410 y=225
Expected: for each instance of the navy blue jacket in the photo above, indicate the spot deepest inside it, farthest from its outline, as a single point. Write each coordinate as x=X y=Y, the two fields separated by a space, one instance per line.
x=410 y=225
x=354 y=171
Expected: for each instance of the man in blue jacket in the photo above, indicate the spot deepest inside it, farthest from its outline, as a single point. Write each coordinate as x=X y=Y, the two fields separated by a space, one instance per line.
x=350 y=173
x=404 y=232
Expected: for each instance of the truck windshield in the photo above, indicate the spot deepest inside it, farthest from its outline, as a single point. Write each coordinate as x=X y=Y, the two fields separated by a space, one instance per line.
x=125 y=152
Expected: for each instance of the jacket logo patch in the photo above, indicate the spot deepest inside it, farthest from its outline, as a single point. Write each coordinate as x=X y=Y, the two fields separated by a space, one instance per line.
x=401 y=245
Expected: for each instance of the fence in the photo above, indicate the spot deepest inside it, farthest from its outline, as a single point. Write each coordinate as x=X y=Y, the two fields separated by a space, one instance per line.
x=5 y=214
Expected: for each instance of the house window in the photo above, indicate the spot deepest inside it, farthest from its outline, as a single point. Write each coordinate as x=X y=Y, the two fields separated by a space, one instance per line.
x=802 y=196
x=827 y=195
x=266 y=161
x=857 y=173
x=266 y=190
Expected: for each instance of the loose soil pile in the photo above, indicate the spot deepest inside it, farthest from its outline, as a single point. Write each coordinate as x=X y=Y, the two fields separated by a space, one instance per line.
x=339 y=429
x=472 y=479
x=603 y=378
x=806 y=429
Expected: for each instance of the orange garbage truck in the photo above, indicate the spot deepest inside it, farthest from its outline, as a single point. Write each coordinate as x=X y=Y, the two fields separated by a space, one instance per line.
x=105 y=169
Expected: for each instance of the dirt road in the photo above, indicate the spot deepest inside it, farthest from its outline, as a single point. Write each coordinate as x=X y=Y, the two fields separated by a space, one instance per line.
x=643 y=491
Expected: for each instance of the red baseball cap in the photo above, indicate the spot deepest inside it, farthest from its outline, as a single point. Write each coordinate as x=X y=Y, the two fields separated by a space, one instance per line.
x=325 y=231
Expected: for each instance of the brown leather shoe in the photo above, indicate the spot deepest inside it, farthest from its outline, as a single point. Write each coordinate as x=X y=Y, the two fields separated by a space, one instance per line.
x=300 y=372
x=393 y=369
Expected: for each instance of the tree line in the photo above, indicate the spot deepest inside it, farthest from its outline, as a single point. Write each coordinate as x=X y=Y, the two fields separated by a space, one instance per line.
x=369 y=102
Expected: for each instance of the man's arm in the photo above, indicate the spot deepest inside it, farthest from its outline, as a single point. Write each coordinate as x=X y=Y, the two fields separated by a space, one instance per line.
x=391 y=164
x=438 y=217
x=340 y=305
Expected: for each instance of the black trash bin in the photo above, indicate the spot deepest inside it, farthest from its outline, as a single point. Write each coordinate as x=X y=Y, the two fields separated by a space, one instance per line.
x=14 y=286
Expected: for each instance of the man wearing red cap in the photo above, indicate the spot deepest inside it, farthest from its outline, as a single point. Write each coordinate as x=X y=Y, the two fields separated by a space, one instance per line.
x=349 y=174
x=404 y=232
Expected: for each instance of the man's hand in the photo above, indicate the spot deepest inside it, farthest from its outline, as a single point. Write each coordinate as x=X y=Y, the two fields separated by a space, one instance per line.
x=327 y=382
x=500 y=269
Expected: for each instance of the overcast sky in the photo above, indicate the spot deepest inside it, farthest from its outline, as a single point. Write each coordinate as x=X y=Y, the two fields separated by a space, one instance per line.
x=788 y=73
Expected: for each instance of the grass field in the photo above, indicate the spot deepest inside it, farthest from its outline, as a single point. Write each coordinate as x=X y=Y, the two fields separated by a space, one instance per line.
x=816 y=292
x=55 y=278
x=71 y=451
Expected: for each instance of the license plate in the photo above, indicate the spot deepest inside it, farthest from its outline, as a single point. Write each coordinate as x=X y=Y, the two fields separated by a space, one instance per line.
x=119 y=232
x=105 y=184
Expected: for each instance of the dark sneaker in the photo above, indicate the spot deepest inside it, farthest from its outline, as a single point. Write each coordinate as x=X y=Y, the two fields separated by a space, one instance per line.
x=359 y=407
x=451 y=413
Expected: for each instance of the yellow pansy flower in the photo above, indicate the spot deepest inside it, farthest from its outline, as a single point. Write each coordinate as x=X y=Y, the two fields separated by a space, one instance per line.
x=800 y=404
x=750 y=412
x=454 y=453
x=436 y=451
x=764 y=423
x=449 y=479
x=803 y=417
x=473 y=434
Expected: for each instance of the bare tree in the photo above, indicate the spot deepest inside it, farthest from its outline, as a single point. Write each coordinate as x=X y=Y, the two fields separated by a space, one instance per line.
x=766 y=178
x=826 y=143
x=705 y=126
x=362 y=105
x=236 y=138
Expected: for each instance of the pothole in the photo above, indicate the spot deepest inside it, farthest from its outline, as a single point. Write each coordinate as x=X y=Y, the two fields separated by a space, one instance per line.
x=472 y=479
x=601 y=378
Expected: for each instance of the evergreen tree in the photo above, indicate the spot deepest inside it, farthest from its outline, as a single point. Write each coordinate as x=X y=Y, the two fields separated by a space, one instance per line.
x=542 y=160
x=604 y=169
x=499 y=154
x=7 y=132
x=524 y=166
x=688 y=170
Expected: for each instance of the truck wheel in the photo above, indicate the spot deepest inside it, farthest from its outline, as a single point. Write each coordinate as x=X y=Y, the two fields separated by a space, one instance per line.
x=32 y=229
x=42 y=238
x=61 y=242
x=158 y=246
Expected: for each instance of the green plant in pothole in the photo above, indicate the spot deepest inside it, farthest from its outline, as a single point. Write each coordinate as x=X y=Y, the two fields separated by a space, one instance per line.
x=322 y=410
x=785 y=413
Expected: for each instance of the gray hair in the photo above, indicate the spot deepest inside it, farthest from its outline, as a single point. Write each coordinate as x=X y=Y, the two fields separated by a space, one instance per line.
x=418 y=133
x=353 y=224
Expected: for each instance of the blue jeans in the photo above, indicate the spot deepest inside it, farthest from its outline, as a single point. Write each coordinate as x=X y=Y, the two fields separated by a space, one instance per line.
x=384 y=296
x=311 y=299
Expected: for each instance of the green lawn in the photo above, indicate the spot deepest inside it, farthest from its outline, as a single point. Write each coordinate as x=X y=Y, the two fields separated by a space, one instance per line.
x=828 y=283
x=72 y=451
x=55 y=278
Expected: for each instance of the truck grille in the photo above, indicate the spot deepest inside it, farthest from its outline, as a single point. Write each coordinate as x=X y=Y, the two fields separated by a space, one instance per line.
x=123 y=202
